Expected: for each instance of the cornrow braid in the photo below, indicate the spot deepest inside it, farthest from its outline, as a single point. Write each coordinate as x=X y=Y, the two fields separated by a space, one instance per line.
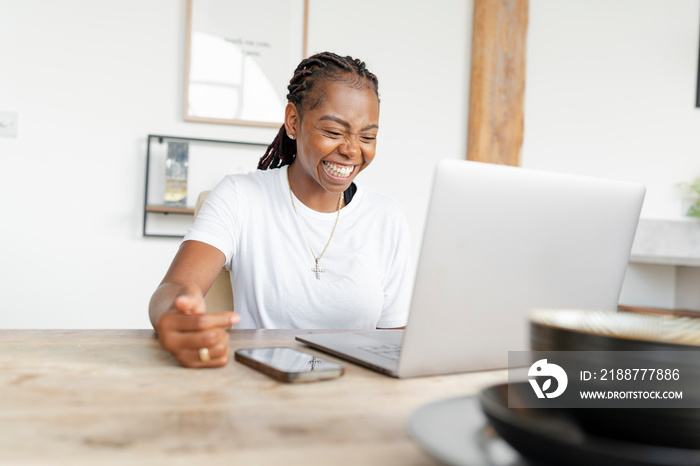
x=302 y=92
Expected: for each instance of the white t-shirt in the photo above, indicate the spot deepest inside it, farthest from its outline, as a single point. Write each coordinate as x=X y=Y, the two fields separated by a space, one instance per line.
x=366 y=282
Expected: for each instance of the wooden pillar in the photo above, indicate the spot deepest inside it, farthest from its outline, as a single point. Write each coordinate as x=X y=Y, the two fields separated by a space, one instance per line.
x=497 y=86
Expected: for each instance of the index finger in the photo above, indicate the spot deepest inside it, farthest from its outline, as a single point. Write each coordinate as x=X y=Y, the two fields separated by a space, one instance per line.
x=190 y=301
x=193 y=322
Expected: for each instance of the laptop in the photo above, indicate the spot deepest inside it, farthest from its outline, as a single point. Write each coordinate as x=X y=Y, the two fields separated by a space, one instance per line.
x=498 y=242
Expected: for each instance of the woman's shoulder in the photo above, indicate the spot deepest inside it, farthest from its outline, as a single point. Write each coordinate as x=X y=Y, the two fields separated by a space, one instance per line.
x=372 y=197
x=378 y=207
x=238 y=190
x=251 y=181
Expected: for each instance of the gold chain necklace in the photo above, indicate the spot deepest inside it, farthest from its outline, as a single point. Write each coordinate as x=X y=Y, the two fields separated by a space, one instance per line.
x=316 y=269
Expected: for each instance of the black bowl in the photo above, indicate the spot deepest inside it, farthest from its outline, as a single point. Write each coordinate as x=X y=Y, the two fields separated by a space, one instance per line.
x=629 y=340
x=551 y=436
x=591 y=330
x=672 y=427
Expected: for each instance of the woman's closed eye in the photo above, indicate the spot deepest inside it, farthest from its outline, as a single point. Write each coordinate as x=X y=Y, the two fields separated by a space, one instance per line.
x=333 y=134
x=337 y=134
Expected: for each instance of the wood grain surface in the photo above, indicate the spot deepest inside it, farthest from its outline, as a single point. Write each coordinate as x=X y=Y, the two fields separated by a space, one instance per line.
x=115 y=397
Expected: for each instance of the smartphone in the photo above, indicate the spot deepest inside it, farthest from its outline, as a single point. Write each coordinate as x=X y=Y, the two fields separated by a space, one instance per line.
x=288 y=364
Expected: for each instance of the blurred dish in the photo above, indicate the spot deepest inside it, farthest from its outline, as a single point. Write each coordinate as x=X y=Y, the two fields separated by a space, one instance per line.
x=554 y=436
x=672 y=427
x=456 y=433
x=628 y=340
x=579 y=330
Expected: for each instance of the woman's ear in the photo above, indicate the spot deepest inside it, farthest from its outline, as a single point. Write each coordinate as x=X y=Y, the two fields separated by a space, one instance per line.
x=291 y=120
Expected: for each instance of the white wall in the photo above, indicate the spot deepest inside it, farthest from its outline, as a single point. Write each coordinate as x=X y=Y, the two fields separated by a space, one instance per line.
x=610 y=91
x=90 y=79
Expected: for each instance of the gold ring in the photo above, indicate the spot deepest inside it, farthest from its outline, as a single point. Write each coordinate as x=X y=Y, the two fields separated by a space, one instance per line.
x=204 y=355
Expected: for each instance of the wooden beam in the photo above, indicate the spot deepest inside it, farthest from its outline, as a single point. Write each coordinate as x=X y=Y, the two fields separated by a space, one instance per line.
x=497 y=86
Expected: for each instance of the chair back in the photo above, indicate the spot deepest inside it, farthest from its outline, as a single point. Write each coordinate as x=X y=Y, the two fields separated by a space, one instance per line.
x=220 y=295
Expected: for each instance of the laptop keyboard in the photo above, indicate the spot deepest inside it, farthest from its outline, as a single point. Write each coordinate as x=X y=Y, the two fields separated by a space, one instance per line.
x=388 y=351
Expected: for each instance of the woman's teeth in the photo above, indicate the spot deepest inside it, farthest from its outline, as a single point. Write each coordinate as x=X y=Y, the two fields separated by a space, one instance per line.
x=341 y=171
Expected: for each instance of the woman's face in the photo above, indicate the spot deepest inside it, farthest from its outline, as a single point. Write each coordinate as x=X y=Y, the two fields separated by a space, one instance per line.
x=337 y=139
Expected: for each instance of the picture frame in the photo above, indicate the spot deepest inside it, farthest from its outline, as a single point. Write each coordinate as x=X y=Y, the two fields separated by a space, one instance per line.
x=239 y=56
x=697 y=89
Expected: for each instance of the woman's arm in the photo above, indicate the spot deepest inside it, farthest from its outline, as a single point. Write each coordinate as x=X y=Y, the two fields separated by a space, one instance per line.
x=178 y=312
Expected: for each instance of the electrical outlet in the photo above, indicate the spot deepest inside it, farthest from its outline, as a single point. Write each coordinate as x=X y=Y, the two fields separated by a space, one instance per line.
x=8 y=124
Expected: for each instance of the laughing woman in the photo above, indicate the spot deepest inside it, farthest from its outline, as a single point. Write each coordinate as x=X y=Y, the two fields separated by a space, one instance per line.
x=306 y=246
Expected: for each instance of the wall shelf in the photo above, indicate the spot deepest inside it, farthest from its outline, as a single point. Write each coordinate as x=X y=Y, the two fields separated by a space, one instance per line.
x=209 y=160
x=169 y=210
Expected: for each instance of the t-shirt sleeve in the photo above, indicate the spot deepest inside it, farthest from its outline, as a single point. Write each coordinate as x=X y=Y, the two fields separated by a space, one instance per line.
x=398 y=285
x=217 y=223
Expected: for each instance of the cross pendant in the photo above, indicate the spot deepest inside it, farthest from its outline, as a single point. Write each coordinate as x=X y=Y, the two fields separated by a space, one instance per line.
x=318 y=270
x=314 y=362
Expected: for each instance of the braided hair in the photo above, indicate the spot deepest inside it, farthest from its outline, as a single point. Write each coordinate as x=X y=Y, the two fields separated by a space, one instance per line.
x=303 y=93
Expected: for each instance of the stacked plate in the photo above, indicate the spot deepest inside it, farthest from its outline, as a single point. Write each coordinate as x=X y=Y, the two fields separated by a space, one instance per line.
x=455 y=431
x=615 y=436
x=558 y=437
x=589 y=330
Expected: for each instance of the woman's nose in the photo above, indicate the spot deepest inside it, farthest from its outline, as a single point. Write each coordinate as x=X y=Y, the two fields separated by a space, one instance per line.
x=350 y=147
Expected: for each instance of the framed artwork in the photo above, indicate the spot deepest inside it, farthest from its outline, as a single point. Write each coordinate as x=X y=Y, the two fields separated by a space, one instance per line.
x=239 y=58
x=697 y=90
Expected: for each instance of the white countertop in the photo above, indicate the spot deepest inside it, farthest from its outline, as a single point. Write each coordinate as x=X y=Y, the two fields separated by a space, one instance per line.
x=669 y=242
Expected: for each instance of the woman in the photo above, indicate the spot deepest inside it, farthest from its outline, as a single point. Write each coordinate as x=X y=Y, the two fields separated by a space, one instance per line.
x=306 y=247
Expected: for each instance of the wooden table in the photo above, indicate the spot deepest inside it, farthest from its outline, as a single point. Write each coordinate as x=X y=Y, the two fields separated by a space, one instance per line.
x=83 y=397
